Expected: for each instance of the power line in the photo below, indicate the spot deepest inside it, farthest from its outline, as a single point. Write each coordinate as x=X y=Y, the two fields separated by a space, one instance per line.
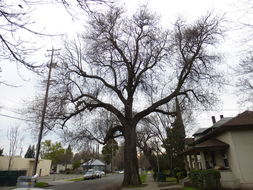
x=13 y=117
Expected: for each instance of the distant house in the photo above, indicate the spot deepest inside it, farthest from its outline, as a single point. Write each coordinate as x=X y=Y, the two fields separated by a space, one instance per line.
x=94 y=164
x=27 y=164
x=228 y=146
x=63 y=167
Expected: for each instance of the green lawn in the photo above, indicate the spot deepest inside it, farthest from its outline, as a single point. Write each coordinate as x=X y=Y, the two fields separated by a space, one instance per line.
x=41 y=184
x=171 y=179
x=76 y=179
x=143 y=177
x=190 y=188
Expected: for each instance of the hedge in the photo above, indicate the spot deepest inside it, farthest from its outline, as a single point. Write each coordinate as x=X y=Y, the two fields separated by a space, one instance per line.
x=205 y=179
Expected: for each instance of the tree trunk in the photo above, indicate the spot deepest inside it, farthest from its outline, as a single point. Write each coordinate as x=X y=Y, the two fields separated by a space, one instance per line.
x=131 y=174
x=9 y=165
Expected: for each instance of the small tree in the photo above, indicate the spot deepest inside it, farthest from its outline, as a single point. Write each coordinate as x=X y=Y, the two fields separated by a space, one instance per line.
x=68 y=155
x=109 y=151
x=52 y=151
x=30 y=153
x=15 y=139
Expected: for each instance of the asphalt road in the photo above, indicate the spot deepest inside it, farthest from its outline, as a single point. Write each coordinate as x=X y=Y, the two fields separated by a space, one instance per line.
x=95 y=184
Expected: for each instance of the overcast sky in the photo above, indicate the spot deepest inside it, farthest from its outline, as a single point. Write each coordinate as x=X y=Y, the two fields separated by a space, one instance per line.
x=54 y=19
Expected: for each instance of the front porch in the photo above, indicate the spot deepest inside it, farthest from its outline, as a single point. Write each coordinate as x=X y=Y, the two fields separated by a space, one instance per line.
x=211 y=154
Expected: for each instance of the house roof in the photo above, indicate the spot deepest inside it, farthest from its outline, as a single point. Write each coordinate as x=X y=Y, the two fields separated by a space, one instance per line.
x=93 y=163
x=199 y=131
x=210 y=144
x=241 y=121
x=214 y=126
x=245 y=118
x=188 y=140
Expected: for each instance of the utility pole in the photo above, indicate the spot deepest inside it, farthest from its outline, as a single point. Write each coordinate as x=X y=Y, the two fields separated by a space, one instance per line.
x=51 y=65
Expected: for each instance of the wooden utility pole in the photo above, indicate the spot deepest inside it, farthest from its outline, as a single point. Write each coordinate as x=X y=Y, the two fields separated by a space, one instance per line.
x=51 y=65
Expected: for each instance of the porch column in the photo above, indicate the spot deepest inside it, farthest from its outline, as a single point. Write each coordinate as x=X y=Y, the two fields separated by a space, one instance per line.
x=196 y=161
x=190 y=160
x=186 y=163
x=203 y=160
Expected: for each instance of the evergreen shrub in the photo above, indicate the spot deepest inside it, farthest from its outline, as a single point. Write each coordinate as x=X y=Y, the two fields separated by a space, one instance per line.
x=205 y=179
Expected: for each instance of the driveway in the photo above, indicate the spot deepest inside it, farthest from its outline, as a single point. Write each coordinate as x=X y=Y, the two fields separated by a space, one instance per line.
x=95 y=184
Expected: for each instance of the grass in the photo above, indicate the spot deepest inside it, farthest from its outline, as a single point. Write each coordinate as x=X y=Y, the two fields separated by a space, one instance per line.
x=76 y=179
x=143 y=177
x=171 y=179
x=165 y=184
x=169 y=182
x=190 y=188
x=131 y=186
x=41 y=184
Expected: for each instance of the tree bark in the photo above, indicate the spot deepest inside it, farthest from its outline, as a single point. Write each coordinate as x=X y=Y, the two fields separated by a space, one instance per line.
x=131 y=173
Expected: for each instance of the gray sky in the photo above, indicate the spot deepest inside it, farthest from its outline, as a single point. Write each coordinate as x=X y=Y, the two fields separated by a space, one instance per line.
x=54 y=19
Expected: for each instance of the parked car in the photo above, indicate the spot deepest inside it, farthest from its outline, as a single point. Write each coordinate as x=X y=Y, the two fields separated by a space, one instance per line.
x=102 y=173
x=90 y=174
x=98 y=174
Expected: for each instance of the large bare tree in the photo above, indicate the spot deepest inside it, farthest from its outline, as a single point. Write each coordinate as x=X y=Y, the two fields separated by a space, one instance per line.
x=131 y=67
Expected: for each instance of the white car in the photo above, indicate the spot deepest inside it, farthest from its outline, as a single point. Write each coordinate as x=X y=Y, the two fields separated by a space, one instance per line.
x=98 y=174
x=102 y=173
x=90 y=174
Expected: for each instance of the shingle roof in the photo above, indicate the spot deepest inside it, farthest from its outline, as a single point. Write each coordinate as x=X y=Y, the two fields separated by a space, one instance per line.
x=200 y=130
x=211 y=143
x=93 y=163
x=245 y=118
x=214 y=126
x=241 y=121
x=188 y=140
x=221 y=122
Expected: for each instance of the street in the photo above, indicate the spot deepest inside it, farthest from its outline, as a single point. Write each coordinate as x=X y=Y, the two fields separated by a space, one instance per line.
x=96 y=184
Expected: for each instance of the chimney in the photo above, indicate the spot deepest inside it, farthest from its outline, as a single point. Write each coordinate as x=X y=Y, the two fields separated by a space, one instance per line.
x=221 y=116
x=213 y=119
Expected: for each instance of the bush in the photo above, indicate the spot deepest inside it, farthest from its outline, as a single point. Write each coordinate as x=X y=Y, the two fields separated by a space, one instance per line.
x=205 y=179
x=68 y=171
x=181 y=175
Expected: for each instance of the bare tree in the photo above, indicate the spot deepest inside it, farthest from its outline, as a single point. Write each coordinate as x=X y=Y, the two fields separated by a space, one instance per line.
x=245 y=82
x=15 y=140
x=131 y=67
x=15 y=18
x=244 y=71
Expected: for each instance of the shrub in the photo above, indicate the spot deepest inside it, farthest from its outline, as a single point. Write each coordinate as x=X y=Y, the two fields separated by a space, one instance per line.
x=180 y=175
x=205 y=179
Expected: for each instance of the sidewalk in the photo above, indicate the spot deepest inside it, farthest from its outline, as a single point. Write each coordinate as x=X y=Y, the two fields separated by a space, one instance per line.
x=6 y=188
x=152 y=185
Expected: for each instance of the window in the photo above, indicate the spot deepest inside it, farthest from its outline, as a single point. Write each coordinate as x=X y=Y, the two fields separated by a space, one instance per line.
x=225 y=159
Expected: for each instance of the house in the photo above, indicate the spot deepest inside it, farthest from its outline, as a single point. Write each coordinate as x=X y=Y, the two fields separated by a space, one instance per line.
x=63 y=167
x=27 y=164
x=94 y=164
x=228 y=146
